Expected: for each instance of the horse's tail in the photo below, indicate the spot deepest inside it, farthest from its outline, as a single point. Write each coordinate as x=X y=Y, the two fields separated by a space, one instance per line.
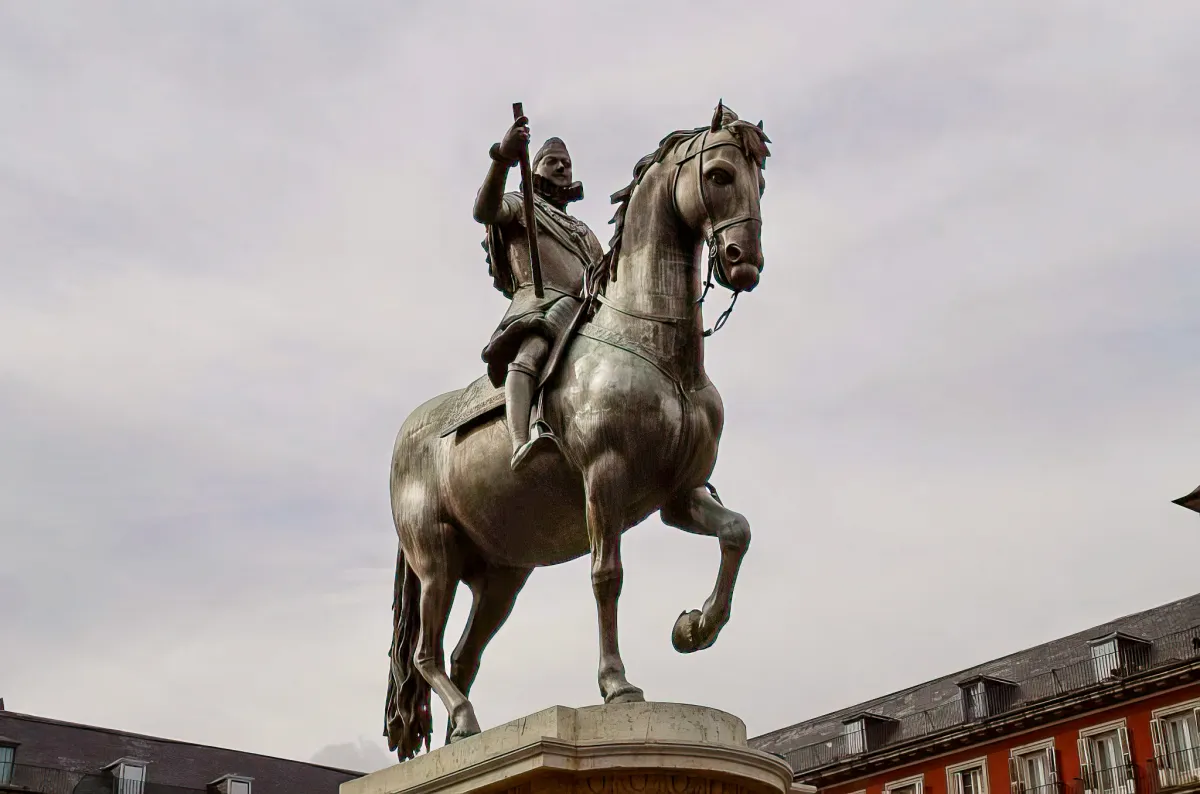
x=409 y=723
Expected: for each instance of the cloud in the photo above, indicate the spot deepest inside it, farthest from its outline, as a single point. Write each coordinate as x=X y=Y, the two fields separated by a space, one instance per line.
x=237 y=249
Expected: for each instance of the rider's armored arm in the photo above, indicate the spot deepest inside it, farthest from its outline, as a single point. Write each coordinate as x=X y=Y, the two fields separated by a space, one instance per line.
x=489 y=204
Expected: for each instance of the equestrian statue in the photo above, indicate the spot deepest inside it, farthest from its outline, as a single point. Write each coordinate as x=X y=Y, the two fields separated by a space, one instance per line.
x=594 y=413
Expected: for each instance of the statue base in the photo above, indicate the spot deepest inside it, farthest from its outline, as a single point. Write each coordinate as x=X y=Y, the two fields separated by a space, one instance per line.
x=628 y=748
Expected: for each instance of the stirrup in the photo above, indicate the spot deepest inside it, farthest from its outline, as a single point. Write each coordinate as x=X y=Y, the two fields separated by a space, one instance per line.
x=543 y=429
x=543 y=439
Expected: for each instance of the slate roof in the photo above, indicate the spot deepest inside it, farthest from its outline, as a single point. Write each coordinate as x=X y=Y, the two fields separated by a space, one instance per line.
x=1162 y=621
x=54 y=744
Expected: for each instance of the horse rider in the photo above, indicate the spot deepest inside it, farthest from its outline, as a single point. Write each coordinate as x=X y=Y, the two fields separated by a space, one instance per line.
x=521 y=343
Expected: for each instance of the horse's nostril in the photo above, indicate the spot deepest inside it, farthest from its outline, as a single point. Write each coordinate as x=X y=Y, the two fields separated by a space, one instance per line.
x=733 y=253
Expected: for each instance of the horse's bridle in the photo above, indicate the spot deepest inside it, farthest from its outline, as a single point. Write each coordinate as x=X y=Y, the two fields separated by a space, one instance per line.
x=716 y=259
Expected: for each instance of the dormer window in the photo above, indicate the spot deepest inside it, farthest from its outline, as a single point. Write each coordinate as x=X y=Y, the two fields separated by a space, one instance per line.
x=231 y=784
x=8 y=757
x=128 y=775
x=986 y=696
x=854 y=737
x=1116 y=655
x=864 y=733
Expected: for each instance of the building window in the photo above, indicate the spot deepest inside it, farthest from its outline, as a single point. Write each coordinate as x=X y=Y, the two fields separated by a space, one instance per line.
x=1176 y=733
x=976 y=701
x=909 y=785
x=1117 y=655
x=129 y=776
x=1105 y=761
x=231 y=784
x=8 y=755
x=854 y=736
x=1033 y=769
x=1105 y=659
x=985 y=696
x=969 y=777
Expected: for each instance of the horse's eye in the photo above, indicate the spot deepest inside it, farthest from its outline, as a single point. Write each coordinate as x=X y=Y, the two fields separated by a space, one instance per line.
x=719 y=176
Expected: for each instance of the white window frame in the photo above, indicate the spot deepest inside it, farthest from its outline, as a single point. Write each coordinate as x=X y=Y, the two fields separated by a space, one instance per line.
x=1103 y=674
x=952 y=773
x=977 y=701
x=916 y=781
x=126 y=785
x=1086 y=761
x=1167 y=776
x=855 y=728
x=224 y=784
x=1017 y=784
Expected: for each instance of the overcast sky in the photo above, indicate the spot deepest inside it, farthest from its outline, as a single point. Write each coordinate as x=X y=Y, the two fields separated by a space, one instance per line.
x=237 y=249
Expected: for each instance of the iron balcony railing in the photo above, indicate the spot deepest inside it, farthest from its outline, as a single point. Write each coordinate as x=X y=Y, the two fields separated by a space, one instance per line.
x=1176 y=771
x=1123 y=779
x=1087 y=673
x=1048 y=788
x=44 y=780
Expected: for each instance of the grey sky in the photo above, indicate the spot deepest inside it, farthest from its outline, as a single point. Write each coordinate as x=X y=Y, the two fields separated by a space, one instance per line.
x=958 y=405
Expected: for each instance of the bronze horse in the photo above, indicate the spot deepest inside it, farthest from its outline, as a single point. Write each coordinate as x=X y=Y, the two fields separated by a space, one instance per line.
x=639 y=423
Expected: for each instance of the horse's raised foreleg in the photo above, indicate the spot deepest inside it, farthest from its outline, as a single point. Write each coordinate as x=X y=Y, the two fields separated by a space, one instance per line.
x=605 y=485
x=698 y=512
x=439 y=568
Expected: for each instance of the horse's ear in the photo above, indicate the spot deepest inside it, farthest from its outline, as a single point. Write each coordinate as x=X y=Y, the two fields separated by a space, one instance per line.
x=718 y=116
x=760 y=124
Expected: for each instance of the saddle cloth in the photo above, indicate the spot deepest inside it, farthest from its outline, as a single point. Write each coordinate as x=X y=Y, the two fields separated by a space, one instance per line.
x=474 y=403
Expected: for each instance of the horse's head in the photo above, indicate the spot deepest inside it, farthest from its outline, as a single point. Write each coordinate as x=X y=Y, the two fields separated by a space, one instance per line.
x=718 y=183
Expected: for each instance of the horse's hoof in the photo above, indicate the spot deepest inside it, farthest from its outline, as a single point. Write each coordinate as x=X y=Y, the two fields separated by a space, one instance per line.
x=630 y=694
x=459 y=734
x=685 y=636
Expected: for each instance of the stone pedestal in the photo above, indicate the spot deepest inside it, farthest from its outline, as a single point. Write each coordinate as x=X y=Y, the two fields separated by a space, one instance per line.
x=632 y=748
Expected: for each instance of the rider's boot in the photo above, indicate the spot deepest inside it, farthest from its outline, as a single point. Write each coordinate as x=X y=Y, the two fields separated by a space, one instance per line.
x=518 y=394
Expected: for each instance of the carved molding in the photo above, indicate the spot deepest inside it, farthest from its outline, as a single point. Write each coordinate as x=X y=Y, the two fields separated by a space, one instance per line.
x=632 y=783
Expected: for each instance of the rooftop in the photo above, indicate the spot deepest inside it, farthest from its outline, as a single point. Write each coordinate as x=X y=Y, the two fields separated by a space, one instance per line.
x=46 y=745
x=1169 y=634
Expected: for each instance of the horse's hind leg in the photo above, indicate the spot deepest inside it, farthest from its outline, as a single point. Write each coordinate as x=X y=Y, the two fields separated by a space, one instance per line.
x=494 y=591
x=438 y=564
x=697 y=511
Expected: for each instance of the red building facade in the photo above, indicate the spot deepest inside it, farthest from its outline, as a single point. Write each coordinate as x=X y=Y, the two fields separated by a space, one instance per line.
x=1112 y=710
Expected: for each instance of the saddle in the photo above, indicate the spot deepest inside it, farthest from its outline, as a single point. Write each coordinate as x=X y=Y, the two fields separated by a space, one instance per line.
x=480 y=400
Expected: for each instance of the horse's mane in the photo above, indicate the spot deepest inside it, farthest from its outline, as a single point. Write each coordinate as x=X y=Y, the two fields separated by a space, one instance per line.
x=750 y=137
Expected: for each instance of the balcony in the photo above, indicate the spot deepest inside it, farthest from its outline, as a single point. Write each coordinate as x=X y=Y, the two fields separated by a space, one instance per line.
x=24 y=779
x=1176 y=772
x=1098 y=670
x=1121 y=779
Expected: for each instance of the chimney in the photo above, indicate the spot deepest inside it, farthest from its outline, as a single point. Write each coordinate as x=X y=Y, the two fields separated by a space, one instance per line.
x=1 y=704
